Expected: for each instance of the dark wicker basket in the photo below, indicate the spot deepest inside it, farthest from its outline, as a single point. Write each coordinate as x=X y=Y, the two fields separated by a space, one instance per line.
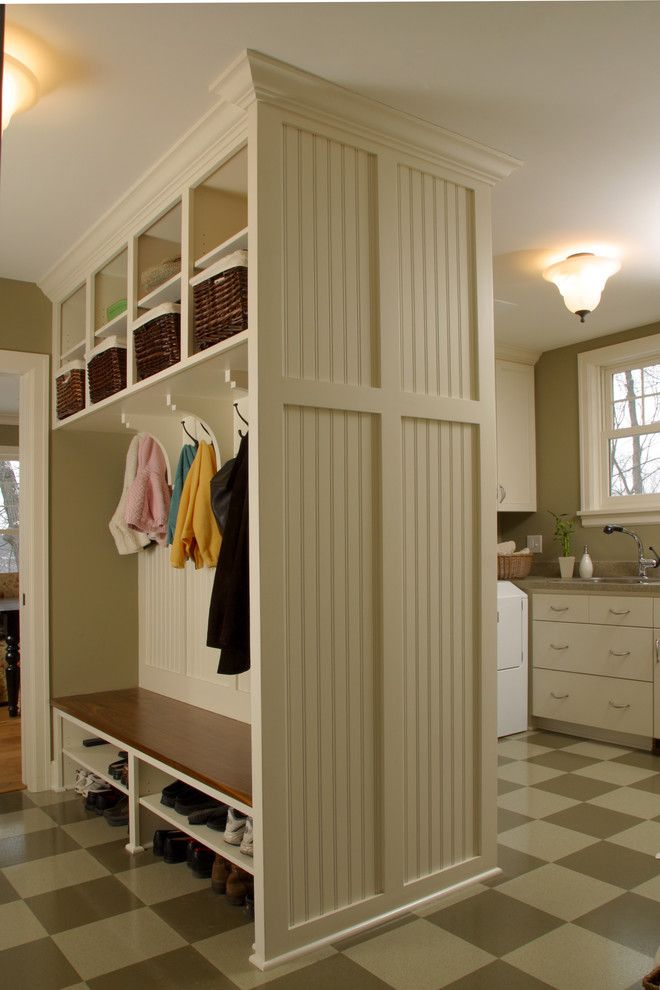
x=220 y=303
x=107 y=372
x=158 y=341
x=70 y=388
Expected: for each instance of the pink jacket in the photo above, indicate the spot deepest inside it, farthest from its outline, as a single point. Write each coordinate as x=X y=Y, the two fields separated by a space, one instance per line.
x=148 y=498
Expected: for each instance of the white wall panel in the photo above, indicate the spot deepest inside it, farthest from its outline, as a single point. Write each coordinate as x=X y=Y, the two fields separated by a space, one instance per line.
x=437 y=283
x=330 y=289
x=441 y=578
x=162 y=624
x=333 y=658
x=201 y=661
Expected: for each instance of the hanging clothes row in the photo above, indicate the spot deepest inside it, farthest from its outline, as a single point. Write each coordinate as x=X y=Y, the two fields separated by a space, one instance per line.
x=196 y=535
x=141 y=515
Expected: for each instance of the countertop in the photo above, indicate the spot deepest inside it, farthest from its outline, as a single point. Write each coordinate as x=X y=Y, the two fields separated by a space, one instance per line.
x=651 y=589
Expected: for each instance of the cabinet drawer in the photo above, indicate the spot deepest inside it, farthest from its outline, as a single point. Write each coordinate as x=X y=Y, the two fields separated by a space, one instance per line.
x=621 y=610
x=585 y=649
x=602 y=702
x=561 y=608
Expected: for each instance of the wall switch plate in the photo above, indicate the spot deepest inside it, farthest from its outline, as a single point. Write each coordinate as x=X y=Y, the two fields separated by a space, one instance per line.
x=535 y=544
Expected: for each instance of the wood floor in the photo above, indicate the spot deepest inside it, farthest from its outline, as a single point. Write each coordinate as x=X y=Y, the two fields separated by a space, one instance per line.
x=10 y=753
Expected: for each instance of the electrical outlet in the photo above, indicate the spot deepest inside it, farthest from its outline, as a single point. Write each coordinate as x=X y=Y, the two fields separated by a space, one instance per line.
x=535 y=544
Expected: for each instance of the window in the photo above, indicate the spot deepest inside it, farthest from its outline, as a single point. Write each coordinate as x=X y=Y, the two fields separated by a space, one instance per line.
x=620 y=432
x=10 y=479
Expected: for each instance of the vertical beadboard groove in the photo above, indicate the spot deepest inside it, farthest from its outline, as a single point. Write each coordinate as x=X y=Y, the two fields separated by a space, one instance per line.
x=162 y=623
x=332 y=594
x=327 y=259
x=439 y=555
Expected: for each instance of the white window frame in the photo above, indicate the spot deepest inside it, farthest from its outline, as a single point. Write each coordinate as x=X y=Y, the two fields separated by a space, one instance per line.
x=594 y=369
x=9 y=453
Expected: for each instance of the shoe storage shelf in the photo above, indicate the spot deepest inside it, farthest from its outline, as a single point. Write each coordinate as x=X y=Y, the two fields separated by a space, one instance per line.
x=145 y=717
x=370 y=365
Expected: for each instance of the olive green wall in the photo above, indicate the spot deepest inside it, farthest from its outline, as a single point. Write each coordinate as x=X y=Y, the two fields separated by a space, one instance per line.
x=93 y=591
x=8 y=435
x=558 y=459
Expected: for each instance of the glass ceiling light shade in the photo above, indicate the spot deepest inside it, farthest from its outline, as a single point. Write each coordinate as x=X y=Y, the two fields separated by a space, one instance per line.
x=581 y=279
x=20 y=89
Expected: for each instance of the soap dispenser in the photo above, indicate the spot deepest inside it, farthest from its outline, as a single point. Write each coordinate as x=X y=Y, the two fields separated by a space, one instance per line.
x=586 y=565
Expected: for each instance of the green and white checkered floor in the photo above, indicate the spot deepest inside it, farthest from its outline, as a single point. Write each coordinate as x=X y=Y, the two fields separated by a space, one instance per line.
x=577 y=906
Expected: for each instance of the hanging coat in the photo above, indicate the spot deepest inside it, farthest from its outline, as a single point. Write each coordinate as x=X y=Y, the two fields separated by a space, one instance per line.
x=186 y=458
x=229 y=612
x=197 y=536
x=126 y=539
x=148 y=498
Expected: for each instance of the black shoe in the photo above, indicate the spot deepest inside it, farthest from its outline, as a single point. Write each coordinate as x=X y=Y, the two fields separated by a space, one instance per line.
x=185 y=804
x=92 y=798
x=175 y=848
x=106 y=800
x=217 y=820
x=115 y=768
x=160 y=835
x=202 y=861
x=202 y=817
x=119 y=814
x=173 y=791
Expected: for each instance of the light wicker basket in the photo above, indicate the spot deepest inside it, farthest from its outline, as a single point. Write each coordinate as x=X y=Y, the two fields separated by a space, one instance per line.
x=106 y=369
x=70 y=388
x=157 y=339
x=220 y=300
x=511 y=566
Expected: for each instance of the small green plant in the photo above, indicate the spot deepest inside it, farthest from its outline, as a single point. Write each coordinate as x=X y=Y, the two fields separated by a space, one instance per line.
x=564 y=529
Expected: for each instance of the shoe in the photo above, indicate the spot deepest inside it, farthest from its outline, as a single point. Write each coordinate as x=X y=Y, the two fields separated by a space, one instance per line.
x=172 y=791
x=116 y=768
x=202 y=862
x=92 y=783
x=248 y=907
x=159 y=839
x=217 y=820
x=219 y=873
x=247 y=842
x=202 y=817
x=80 y=780
x=118 y=815
x=239 y=885
x=175 y=848
x=186 y=804
x=106 y=799
x=193 y=844
x=235 y=827
x=96 y=790
x=123 y=777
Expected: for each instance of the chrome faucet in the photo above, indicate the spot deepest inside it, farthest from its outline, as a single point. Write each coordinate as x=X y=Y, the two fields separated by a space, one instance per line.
x=643 y=563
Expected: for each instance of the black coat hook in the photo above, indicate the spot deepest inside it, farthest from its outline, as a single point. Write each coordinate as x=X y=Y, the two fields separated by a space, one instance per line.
x=194 y=439
x=238 y=413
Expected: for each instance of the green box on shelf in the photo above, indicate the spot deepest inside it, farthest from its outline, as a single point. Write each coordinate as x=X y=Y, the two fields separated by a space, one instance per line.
x=115 y=308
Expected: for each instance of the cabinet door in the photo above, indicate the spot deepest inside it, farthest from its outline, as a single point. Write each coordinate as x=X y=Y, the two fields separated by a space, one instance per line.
x=516 y=437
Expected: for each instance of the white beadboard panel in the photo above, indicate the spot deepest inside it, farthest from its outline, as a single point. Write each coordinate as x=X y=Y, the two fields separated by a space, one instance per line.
x=437 y=285
x=162 y=624
x=201 y=661
x=441 y=580
x=333 y=659
x=329 y=266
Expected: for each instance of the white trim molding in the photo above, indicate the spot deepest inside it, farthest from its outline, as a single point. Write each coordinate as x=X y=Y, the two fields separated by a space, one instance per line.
x=33 y=370
x=598 y=506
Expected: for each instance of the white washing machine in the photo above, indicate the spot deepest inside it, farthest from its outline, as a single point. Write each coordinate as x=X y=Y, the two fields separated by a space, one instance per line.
x=512 y=681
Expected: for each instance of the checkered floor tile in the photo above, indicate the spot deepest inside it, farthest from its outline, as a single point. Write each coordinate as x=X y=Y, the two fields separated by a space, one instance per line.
x=577 y=904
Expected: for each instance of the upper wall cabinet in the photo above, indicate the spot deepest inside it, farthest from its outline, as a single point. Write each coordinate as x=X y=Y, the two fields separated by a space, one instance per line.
x=516 y=437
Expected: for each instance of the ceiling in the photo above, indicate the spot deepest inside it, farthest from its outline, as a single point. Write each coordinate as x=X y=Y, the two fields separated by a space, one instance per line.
x=572 y=89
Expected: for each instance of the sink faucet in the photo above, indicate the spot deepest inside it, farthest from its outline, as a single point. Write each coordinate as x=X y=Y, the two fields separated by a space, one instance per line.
x=643 y=563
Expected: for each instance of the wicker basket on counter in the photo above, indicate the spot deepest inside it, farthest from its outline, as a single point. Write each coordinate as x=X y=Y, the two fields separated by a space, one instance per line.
x=220 y=300
x=70 y=388
x=106 y=368
x=511 y=566
x=157 y=339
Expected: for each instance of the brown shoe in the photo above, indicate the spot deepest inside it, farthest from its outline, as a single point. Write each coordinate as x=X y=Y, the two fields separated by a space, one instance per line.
x=239 y=883
x=219 y=874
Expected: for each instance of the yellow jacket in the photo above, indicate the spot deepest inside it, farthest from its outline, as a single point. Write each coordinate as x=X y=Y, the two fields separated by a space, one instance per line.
x=196 y=536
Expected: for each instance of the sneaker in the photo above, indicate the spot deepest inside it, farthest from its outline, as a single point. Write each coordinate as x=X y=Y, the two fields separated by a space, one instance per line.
x=247 y=842
x=80 y=781
x=235 y=827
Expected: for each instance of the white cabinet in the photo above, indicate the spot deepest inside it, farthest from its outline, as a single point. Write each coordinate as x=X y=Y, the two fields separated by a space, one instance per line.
x=516 y=437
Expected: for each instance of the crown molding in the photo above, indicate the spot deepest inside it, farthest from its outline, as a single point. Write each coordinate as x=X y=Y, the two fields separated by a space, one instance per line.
x=519 y=355
x=254 y=75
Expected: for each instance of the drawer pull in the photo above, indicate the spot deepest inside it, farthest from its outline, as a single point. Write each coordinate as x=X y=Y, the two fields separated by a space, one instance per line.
x=623 y=653
x=554 y=646
x=657 y=651
x=620 y=707
x=559 y=608
x=559 y=697
x=621 y=611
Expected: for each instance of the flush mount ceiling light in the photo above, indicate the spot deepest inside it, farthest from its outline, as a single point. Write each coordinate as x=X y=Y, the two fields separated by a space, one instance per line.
x=581 y=279
x=20 y=89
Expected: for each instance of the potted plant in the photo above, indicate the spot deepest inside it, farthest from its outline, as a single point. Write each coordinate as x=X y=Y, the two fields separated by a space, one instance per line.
x=563 y=535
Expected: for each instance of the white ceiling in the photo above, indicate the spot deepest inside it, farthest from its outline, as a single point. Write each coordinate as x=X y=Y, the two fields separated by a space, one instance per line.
x=572 y=89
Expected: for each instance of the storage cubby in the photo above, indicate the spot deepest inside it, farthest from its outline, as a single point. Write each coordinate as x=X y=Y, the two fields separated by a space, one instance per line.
x=159 y=261
x=220 y=209
x=73 y=324
x=110 y=291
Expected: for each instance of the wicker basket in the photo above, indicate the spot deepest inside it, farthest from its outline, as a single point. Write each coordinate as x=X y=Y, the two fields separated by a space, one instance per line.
x=106 y=369
x=220 y=300
x=70 y=388
x=511 y=566
x=157 y=339
x=652 y=980
x=151 y=278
